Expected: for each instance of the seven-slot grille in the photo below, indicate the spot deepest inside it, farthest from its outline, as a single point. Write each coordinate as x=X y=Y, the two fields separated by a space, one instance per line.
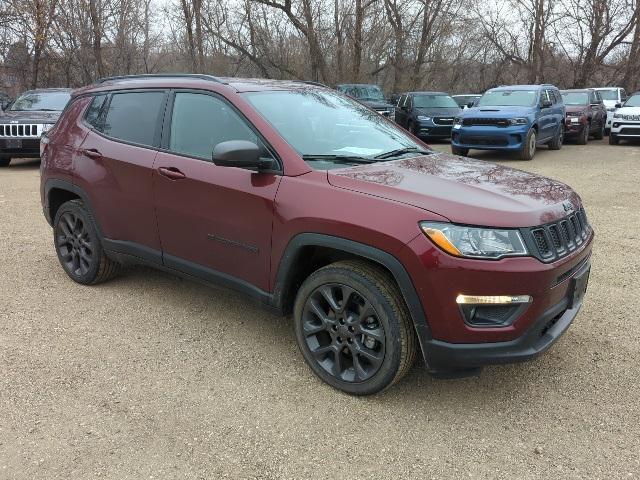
x=556 y=240
x=495 y=122
x=20 y=130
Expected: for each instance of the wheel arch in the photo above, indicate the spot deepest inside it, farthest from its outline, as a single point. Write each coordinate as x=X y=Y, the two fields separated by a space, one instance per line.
x=58 y=192
x=299 y=261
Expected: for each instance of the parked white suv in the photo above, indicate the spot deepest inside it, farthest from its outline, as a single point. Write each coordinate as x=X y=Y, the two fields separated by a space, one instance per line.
x=626 y=120
x=611 y=96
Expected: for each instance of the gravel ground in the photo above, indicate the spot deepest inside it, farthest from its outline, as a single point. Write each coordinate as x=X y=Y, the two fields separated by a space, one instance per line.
x=152 y=376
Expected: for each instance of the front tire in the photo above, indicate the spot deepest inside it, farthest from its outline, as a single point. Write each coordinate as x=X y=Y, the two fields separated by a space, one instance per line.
x=463 y=152
x=529 y=148
x=613 y=139
x=584 y=136
x=556 y=143
x=4 y=162
x=599 y=135
x=79 y=247
x=353 y=327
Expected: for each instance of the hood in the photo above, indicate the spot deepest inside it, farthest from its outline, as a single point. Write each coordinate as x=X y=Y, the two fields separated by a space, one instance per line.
x=35 y=116
x=438 y=112
x=463 y=190
x=577 y=108
x=610 y=103
x=497 y=112
x=629 y=111
x=377 y=104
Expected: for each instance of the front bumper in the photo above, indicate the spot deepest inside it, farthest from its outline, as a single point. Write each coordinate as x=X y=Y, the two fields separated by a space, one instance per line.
x=489 y=137
x=432 y=130
x=574 y=129
x=19 y=147
x=538 y=338
x=625 y=128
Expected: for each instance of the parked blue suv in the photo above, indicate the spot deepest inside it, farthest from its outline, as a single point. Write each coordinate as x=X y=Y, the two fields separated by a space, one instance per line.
x=516 y=118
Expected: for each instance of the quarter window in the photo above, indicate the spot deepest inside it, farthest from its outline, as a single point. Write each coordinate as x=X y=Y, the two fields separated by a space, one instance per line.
x=133 y=117
x=200 y=122
x=93 y=116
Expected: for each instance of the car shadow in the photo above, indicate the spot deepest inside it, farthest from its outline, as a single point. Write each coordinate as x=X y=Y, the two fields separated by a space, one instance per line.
x=24 y=164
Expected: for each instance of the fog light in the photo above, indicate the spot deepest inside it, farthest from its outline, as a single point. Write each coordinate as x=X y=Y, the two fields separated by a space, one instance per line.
x=493 y=299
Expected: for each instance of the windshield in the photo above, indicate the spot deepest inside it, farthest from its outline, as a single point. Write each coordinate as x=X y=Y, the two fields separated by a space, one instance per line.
x=434 y=101
x=364 y=92
x=609 y=94
x=41 y=101
x=328 y=130
x=575 y=98
x=508 y=98
x=633 y=101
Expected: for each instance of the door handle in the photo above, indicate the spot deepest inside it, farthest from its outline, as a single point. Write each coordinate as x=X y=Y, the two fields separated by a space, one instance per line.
x=171 y=173
x=92 y=153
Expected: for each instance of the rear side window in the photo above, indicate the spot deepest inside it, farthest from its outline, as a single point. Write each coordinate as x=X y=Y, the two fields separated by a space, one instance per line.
x=92 y=117
x=199 y=122
x=133 y=117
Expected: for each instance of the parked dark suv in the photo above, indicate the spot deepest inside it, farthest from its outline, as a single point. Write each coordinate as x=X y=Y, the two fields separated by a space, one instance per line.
x=586 y=114
x=427 y=114
x=316 y=206
x=369 y=95
x=23 y=123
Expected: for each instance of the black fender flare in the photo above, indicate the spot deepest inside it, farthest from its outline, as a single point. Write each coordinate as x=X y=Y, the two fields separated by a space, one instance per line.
x=295 y=247
x=69 y=187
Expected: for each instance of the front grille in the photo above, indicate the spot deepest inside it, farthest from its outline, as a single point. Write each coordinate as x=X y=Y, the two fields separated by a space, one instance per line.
x=630 y=131
x=557 y=239
x=477 y=140
x=443 y=120
x=495 y=122
x=19 y=130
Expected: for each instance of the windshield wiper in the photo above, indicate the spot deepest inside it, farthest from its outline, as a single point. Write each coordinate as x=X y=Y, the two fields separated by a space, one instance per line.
x=402 y=151
x=338 y=158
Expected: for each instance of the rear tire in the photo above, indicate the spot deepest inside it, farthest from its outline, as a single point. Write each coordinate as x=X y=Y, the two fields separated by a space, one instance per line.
x=613 y=139
x=463 y=152
x=558 y=140
x=4 y=162
x=529 y=148
x=584 y=136
x=79 y=247
x=599 y=135
x=353 y=327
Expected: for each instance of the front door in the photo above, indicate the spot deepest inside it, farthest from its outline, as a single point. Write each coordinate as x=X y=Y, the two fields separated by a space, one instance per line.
x=213 y=221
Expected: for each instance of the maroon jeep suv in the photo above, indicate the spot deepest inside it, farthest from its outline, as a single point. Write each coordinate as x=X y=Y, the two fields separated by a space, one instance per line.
x=316 y=206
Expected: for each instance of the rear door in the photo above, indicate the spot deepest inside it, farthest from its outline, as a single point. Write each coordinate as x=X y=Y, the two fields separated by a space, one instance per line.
x=214 y=222
x=115 y=166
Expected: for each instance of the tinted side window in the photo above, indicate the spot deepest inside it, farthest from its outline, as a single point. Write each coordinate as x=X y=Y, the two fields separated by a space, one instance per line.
x=133 y=116
x=199 y=122
x=92 y=117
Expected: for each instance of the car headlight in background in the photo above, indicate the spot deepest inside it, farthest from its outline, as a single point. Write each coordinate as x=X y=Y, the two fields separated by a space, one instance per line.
x=457 y=121
x=617 y=115
x=518 y=121
x=422 y=118
x=47 y=126
x=475 y=242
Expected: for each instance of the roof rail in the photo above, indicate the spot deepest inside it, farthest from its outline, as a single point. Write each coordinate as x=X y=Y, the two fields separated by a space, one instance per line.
x=144 y=76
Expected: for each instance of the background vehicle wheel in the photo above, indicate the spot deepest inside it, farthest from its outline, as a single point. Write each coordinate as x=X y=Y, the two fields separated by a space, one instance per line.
x=463 y=152
x=353 y=327
x=599 y=135
x=78 y=246
x=583 y=138
x=558 y=140
x=529 y=148
x=613 y=139
x=4 y=162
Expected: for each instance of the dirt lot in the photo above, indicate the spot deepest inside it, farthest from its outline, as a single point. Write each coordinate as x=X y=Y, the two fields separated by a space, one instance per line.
x=151 y=376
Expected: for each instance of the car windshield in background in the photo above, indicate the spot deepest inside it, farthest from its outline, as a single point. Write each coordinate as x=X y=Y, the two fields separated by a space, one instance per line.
x=609 y=94
x=633 y=101
x=575 y=98
x=365 y=93
x=434 y=101
x=329 y=130
x=462 y=101
x=54 y=101
x=508 y=98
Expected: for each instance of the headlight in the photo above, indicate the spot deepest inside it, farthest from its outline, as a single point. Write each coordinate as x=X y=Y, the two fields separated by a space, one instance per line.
x=475 y=242
x=457 y=121
x=47 y=126
x=617 y=115
x=518 y=121
x=423 y=118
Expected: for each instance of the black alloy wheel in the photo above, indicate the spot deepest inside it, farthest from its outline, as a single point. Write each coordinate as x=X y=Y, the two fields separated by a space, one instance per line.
x=343 y=332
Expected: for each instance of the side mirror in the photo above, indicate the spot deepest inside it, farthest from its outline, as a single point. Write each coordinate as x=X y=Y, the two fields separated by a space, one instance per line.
x=237 y=153
x=618 y=105
x=546 y=104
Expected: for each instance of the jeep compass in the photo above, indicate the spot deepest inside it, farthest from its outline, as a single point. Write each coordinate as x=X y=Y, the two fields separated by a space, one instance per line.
x=315 y=206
